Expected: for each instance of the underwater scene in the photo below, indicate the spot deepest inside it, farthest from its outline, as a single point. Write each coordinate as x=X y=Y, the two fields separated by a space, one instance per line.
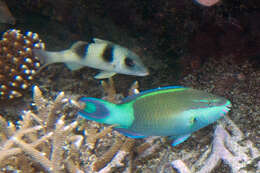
x=129 y=86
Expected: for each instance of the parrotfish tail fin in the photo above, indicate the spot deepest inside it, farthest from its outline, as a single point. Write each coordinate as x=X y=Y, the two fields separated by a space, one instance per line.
x=129 y=133
x=95 y=109
x=179 y=139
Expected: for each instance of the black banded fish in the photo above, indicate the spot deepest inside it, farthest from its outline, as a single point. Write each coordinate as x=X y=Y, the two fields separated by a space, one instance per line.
x=99 y=54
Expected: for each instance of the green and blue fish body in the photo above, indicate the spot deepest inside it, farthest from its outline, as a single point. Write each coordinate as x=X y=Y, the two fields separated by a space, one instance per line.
x=169 y=111
x=100 y=54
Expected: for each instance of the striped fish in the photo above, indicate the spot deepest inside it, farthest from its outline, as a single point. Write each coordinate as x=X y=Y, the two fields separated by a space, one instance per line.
x=169 y=111
x=99 y=54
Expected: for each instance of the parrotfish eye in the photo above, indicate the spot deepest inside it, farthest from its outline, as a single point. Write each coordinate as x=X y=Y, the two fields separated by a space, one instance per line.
x=129 y=62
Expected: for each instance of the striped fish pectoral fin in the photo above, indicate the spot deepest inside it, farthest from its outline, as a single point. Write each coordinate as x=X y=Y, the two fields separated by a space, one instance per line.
x=179 y=139
x=104 y=74
x=129 y=133
x=74 y=66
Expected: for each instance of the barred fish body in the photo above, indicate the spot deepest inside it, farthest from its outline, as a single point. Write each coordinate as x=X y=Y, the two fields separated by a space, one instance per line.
x=99 y=54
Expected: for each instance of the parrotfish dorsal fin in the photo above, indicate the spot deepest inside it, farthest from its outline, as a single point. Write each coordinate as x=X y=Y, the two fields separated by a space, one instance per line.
x=98 y=40
x=132 y=97
x=95 y=109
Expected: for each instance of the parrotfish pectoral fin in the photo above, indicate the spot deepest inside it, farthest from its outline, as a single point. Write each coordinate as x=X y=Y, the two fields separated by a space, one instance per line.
x=74 y=66
x=128 y=133
x=104 y=74
x=179 y=139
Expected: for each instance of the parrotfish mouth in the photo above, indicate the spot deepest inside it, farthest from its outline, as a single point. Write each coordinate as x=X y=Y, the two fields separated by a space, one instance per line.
x=227 y=106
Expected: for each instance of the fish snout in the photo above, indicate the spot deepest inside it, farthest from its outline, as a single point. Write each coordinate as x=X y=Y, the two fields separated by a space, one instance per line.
x=143 y=72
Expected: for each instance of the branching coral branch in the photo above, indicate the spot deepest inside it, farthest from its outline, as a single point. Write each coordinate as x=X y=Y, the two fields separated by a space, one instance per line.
x=41 y=137
x=225 y=147
x=34 y=154
x=119 y=157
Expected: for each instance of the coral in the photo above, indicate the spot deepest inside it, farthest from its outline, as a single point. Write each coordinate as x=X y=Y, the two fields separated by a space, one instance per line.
x=17 y=63
x=37 y=142
x=230 y=146
x=43 y=140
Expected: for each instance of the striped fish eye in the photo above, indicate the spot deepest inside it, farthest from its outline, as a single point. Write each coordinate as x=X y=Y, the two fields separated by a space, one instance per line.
x=129 y=62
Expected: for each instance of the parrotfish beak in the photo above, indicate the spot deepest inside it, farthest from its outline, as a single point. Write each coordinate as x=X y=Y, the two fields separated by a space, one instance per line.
x=216 y=111
x=226 y=107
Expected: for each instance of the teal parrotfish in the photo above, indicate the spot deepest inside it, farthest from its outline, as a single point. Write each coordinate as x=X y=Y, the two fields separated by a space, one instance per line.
x=100 y=54
x=173 y=111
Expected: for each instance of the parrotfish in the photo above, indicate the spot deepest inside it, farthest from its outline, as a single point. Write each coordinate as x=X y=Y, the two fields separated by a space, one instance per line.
x=173 y=111
x=100 y=54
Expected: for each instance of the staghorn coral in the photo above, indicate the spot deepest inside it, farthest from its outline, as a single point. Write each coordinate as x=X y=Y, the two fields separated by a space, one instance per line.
x=43 y=140
x=17 y=63
x=232 y=148
x=37 y=142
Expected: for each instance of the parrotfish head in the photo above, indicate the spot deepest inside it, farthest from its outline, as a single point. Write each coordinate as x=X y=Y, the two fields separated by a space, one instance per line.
x=205 y=111
x=127 y=62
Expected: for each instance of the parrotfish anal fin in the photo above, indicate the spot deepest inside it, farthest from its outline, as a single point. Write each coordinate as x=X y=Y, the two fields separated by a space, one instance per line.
x=128 y=133
x=179 y=139
x=74 y=66
x=98 y=40
x=104 y=74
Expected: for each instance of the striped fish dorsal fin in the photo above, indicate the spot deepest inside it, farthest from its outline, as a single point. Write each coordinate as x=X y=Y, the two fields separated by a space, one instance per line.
x=153 y=91
x=98 y=40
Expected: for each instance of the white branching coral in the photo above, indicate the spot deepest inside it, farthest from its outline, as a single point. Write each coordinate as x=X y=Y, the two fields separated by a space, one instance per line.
x=233 y=149
x=39 y=138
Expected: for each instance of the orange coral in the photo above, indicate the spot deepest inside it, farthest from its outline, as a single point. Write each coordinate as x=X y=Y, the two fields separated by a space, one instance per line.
x=17 y=63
